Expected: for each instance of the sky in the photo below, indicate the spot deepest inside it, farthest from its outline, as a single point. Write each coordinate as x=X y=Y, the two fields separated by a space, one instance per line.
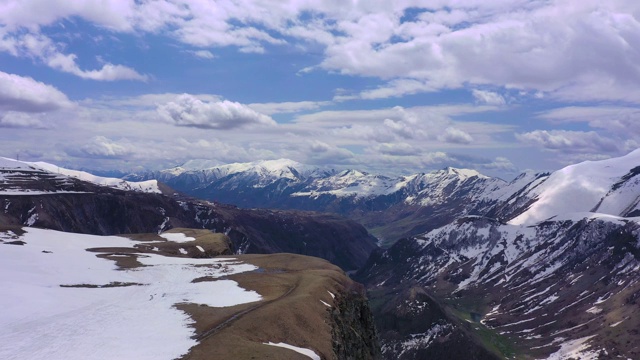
x=392 y=87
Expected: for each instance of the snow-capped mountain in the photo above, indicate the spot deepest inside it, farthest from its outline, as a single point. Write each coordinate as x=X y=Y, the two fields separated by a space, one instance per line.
x=551 y=269
x=379 y=202
x=567 y=288
x=608 y=186
x=40 y=177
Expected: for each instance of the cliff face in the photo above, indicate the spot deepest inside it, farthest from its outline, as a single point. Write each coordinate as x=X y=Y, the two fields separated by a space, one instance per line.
x=307 y=303
x=353 y=332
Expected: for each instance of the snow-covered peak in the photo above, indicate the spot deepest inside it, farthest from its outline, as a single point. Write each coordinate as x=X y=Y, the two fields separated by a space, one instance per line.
x=464 y=174
x=150 y=186
x=200 y=164
x=11 y=164
x=589 y=186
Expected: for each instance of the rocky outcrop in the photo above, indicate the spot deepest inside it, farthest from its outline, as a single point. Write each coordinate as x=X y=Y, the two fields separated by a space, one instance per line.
x=307 y=303
x=353 y=332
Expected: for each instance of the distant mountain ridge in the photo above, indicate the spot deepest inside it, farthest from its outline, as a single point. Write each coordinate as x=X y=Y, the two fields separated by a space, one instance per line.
x=390 y=207
x=396 y=207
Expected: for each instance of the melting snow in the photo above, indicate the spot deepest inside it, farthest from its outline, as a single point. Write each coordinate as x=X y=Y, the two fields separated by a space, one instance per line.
x=177 y=237
x=42 y=320
x=575 y=349
x=616 y=324
x=307 y=352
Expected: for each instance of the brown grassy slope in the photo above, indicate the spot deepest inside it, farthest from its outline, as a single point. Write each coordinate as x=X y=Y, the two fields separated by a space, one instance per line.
x=290 y=312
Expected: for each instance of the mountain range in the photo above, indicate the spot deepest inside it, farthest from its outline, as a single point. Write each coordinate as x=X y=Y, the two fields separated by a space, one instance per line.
x=473 y=267
x=544 y=266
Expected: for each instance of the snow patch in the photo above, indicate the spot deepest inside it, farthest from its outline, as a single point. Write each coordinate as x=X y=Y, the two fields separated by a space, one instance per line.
x=177 y=237
x=307 y=352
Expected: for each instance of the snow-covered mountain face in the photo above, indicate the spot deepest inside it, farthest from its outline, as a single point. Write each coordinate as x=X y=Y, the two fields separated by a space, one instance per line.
x=550 y=270
x=18 y=177
x=563 y=288
x=609 y=187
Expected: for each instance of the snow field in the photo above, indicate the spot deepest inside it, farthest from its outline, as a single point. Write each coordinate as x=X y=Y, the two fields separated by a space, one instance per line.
x=42 y=320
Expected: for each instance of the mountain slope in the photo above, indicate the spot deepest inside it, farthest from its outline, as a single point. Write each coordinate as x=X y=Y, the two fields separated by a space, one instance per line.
x=607 y=186
x=524 y=290
x=32 y=177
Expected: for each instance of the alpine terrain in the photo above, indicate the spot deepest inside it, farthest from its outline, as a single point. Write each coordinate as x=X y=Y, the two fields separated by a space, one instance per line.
x=108 y=269
x=551 y=270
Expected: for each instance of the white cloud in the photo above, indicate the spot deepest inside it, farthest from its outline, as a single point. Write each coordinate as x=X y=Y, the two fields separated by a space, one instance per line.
x=396 y=149
x=321 y=153
x=18 y=93
x=572 y=50
x=32 y=14
x=14 y=119
x=456 y=136
x=102 y=147
x=500 y=164
x=108 y=72
x=190 y=111
x=287 y=107
x=203 y=54
x=570 y=141
x=488 y=97
x=41 y=47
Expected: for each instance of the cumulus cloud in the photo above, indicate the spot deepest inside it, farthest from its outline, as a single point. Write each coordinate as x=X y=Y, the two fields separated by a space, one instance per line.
x=621 y=121
x=187 y=110
x=108 y=72
x=101 y=147
x=554 y=47
x=501 y=164
x=14 y=119
x=396 y=149
x=321 y=152
x=456 y=136
x=570 y=141
x=24 y=94
x=488 y=97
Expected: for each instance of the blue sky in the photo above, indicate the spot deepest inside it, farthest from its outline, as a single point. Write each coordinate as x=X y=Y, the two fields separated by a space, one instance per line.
x=386 y=86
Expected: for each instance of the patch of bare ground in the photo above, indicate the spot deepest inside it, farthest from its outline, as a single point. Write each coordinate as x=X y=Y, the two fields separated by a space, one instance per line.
x=15 y=229
x=292 y=287
x=206 y=244
x=124 y=260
